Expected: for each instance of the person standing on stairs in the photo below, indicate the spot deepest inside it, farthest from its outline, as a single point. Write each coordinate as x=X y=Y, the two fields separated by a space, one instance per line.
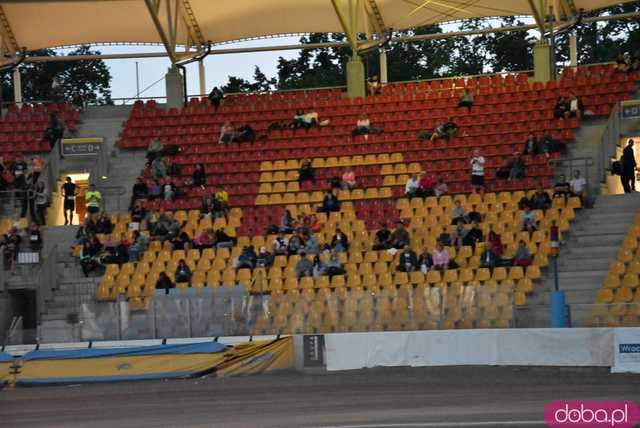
x=628 y=163
x=69 y=197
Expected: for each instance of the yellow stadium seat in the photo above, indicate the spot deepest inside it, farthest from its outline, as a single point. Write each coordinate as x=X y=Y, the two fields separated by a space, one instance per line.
x=262 y=200
x=533 y=272
x=499 y=274
x=483 y=274
x=630 y=280
x=604 y=295
x=433 y=277
x=396 y=157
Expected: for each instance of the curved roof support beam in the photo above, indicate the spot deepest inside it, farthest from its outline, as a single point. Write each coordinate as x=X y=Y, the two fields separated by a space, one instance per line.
x=9 y=42
x=375 y=17
x=349 y=21
x=171 y=19
x=538 y=14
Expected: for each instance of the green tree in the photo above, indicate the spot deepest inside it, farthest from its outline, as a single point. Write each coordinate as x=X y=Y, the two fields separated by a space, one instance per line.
x=82 y=81
x=236 y=84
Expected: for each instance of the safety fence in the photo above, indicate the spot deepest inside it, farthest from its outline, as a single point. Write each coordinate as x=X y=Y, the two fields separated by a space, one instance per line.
x=231 y=311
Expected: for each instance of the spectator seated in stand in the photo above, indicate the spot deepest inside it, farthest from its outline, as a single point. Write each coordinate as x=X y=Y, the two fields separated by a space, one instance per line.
x=244 y=134
x=215 y=97
x=459 y=214
x=441 y=258
x=473 y=236
x=333 y=266
x=578 y=185
x=547 y=144
x=306 y=172
x=458 y=235
x=562 y=109
x=623 y=63
x=488 y=258
x=158 y=168
x=183 y=272
x=562 y=188
x=576 y=107
x=529 y=223
x=90 y=253
x=441 y=187
x=426 y=185
x=204 y=239
x=522 y=256
x=164 y=283
x=247 y=258
x=287 y=224
x=339 y=242
x=425 y=261
x=364 y=128
x=311 y=243
x=532 y=146
x=400 y=237
x=139 y=245
x=199 y=177
x=182 y=241
x=296 y=244
x=516 y=167
x=330 y=203
x=408 y=260
x=374 y=87
x=445 y=130
x=304 y=266
x=155 y=190
x=116 y=252
x=139 y=192
x=466 y=100
x=280 y=245
x=348 y=179
x=305 y=120
x=154 y=149
x=222 y=240
x=412 y=186
x=227 y=132
x=540 y=200
x=220 y=206
x=104 y=224
x=264 y=258
x=382 y=238
x=496 y=244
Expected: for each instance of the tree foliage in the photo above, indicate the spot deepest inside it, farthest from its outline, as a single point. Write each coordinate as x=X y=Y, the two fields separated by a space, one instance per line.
x=82 y=81
x=468 y=55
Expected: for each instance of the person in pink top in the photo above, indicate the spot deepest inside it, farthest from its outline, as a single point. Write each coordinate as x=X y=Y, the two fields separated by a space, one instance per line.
x=440 y=258
x=348 y=179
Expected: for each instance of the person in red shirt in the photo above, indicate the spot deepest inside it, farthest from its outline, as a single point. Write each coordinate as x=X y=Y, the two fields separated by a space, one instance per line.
x=426 y=185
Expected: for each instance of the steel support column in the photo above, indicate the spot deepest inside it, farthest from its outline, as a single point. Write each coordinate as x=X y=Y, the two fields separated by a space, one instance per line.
x=17 y=86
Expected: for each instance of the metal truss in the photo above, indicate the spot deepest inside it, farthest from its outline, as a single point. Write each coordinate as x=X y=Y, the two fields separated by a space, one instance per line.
x=173 y=18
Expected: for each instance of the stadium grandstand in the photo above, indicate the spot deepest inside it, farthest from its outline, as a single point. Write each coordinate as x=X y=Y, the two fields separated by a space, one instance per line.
x=461 y=205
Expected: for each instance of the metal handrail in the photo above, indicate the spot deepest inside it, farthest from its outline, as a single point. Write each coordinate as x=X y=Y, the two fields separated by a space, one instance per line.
x=609 y=143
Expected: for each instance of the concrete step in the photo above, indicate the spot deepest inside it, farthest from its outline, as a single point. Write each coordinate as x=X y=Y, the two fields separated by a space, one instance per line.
x=571 y=265
x=587 y=254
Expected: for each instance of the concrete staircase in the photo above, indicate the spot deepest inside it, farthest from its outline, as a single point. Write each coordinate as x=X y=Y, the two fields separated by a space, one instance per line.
x=585 y=257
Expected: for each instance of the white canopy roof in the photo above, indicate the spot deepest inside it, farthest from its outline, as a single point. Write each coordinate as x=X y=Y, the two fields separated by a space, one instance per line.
x=37 y=24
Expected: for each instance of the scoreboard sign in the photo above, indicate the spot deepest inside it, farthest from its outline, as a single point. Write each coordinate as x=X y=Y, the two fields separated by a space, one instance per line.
x=81 y=146
x=630 y=109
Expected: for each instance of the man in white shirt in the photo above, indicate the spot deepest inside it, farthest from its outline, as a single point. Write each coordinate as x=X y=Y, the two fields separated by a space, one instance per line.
x=477 y=171
x=578 y=184
x=413 y=184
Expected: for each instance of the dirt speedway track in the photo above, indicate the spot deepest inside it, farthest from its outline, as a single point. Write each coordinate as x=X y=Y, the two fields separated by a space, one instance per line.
x=385 y=397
